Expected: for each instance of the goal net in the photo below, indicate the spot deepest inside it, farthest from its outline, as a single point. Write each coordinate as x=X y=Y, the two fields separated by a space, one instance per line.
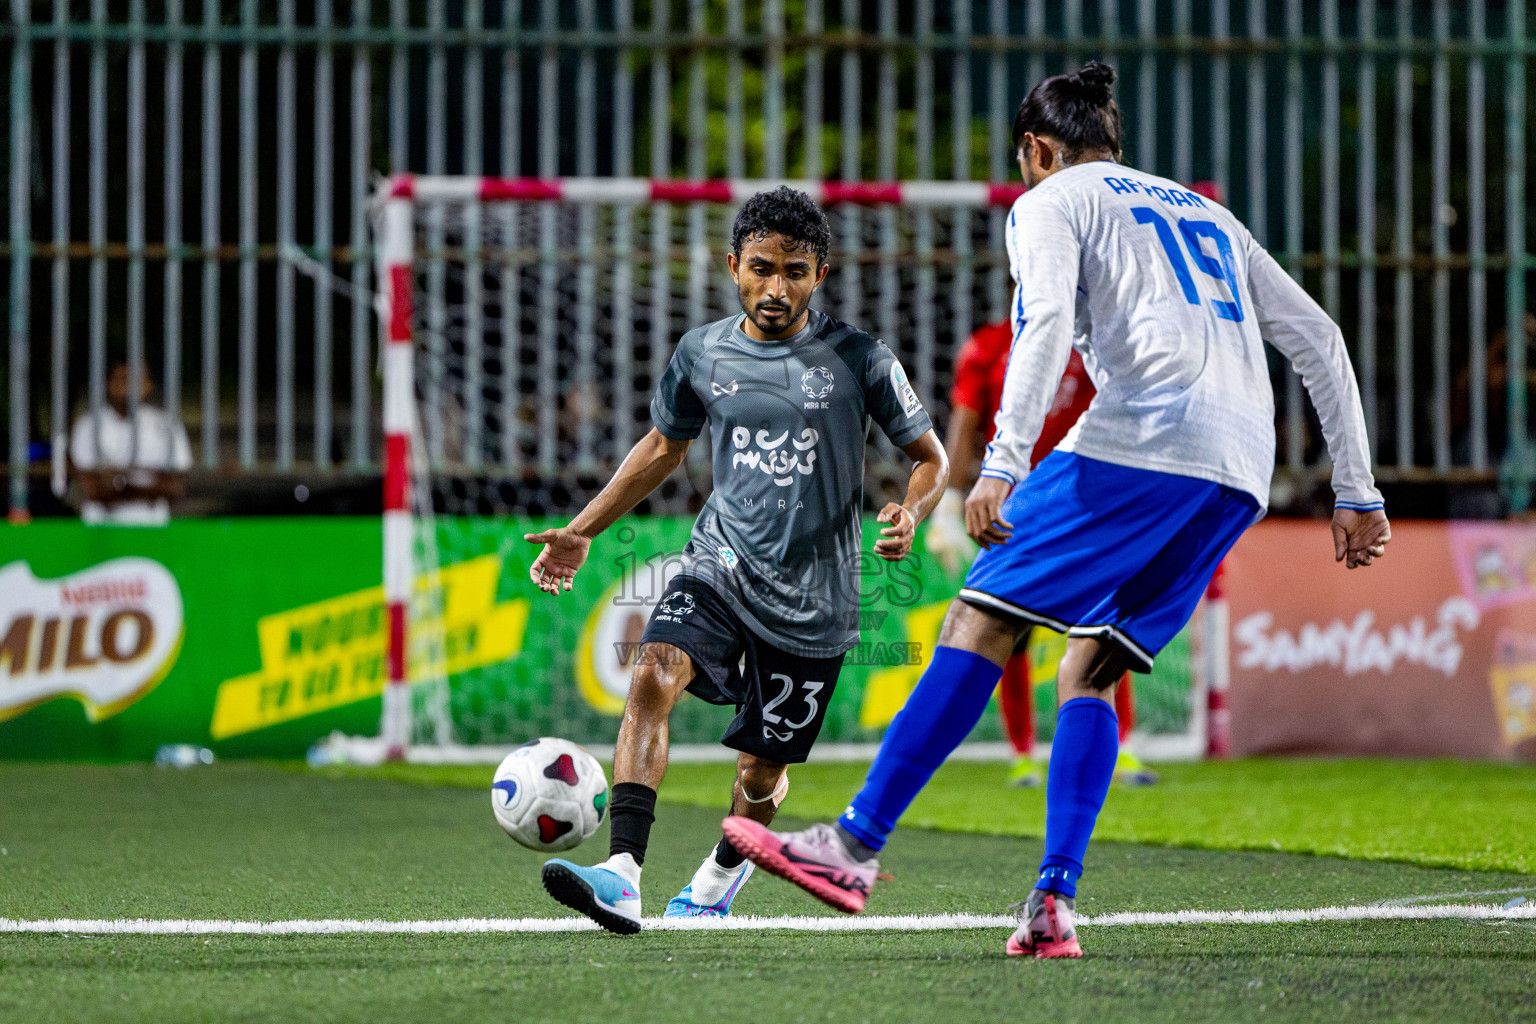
x=528 y=323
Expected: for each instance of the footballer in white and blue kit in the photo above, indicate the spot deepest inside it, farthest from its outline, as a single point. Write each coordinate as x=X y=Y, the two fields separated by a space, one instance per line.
x=1113 y=538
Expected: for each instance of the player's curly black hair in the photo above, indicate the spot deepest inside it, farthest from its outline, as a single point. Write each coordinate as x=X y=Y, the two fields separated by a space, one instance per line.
x=783 y=211
x=1077 y=110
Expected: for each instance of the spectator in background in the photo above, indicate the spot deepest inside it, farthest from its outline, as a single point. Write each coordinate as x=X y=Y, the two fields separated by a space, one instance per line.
x=129 y=469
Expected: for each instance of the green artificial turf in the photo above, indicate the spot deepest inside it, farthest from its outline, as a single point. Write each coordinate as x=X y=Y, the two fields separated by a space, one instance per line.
x=251 y=841
x=1441 y=813
x=1416 y=971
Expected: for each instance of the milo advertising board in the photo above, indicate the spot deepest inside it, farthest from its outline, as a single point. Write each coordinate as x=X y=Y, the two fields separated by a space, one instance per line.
x=105 y=635
x=116 y=640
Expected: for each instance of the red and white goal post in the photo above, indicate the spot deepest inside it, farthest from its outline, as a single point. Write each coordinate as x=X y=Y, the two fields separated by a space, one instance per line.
x=524 y=322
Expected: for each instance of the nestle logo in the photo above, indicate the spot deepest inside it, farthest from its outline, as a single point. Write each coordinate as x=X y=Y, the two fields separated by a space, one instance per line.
x=106 y=591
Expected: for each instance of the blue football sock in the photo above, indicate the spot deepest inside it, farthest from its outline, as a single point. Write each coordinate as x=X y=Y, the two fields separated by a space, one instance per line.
x=1083 y=753
x=945 y=706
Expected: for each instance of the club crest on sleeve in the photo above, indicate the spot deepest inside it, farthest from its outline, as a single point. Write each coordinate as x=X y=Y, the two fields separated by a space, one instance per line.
x=908 y=399
x=678 y=603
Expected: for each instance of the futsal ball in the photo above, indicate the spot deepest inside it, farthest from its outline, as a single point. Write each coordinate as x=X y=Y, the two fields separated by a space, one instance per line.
x=549 y=795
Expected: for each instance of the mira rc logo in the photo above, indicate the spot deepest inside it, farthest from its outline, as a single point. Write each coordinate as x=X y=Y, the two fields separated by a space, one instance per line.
x=678 y=603
x=105 y=635
x=817 y=382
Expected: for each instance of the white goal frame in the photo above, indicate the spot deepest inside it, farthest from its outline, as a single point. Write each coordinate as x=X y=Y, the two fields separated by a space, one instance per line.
x=395 y=207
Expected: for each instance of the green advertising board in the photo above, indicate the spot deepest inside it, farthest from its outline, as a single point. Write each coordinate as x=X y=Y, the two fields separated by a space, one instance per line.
x=201 y=584
x=258 y=637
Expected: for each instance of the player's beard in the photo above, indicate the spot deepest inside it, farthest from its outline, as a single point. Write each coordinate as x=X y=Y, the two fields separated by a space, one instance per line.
x=768 y=327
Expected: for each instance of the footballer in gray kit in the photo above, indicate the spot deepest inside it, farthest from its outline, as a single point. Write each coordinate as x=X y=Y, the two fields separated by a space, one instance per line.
x=779 y=537
x=765 y=604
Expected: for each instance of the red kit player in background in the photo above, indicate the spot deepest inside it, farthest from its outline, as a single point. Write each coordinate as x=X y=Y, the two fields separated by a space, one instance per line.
x=978 y=388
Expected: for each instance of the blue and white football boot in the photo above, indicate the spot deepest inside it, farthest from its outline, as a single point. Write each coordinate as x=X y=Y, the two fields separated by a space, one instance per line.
x=608 y=893
x=710 y=892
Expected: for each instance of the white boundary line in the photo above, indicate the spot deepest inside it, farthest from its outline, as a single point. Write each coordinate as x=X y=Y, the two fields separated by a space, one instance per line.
x=371 y=750
x=1153 y=747
x=906 y=923
x=1437 y=912
x=1410 y=900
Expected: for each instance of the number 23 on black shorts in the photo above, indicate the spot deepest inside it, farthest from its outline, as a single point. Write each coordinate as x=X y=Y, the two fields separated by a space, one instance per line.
x=780 y=698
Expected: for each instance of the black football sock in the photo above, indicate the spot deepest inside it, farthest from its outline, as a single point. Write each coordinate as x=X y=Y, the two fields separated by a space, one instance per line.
x=727 y=856
x=630 y=816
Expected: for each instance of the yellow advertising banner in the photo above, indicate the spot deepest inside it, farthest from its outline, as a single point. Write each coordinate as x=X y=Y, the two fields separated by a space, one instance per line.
x=329 y=653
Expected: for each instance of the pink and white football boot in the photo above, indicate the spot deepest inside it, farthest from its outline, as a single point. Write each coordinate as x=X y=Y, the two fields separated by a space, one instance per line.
x=1046 y=929
x=816 y=860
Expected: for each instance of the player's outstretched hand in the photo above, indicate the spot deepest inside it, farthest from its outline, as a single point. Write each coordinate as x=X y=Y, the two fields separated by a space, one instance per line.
x=895 y=540
x=984 y=511
x=1359 y=538
x=565 y=551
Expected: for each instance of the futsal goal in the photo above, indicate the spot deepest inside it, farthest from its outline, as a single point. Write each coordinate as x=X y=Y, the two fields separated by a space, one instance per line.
x=526 y=323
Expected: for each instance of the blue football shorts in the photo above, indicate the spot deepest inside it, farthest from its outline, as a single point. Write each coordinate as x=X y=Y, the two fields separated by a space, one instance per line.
x=1109 y=551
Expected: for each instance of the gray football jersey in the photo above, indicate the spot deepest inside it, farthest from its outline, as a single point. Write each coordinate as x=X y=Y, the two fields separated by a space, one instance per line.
x=780 y=537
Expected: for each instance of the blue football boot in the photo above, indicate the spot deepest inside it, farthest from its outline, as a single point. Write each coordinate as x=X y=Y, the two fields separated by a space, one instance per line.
x=710 y=892
x=608 y=893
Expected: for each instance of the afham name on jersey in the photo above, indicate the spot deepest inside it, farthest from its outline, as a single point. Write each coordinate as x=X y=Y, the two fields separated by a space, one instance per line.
x=1170 y=300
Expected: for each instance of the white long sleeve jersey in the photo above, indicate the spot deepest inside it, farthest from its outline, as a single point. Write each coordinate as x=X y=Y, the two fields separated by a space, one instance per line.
x=1169 y=299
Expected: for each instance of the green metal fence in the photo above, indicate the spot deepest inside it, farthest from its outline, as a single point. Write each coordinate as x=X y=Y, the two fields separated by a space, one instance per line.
x=171 y=161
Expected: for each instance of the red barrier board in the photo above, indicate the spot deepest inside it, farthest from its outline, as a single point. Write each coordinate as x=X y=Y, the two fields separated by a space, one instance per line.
x=1429 y=652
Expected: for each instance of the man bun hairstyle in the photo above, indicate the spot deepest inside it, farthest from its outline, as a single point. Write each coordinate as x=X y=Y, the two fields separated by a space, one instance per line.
x=1094 y=79
x=788 y=212
x=1076 y=110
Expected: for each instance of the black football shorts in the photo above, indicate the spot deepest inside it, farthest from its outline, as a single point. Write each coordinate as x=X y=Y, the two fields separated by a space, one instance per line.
x=780 y=698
